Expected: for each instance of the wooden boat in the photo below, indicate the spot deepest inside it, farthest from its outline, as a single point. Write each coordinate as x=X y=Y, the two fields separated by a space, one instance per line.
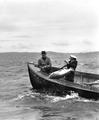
x=40 y=81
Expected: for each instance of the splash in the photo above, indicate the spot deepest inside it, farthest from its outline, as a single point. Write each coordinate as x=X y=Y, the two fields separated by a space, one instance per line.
x=87 y=100
x=27 y=94
x=47 y=98
x=67 y=97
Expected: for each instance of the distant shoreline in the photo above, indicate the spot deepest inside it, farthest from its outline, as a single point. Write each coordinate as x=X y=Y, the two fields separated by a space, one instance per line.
x=53 y=52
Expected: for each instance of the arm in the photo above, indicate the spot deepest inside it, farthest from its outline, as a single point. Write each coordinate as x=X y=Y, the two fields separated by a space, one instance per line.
x=36 y=65
x=66 y=63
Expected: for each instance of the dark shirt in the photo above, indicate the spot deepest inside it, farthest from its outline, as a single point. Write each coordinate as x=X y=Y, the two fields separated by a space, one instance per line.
x=70 y=76
x=72 y=64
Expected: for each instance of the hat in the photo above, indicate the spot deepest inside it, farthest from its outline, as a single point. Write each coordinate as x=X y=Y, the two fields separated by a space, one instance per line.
x=43 y=52
x=73 y=56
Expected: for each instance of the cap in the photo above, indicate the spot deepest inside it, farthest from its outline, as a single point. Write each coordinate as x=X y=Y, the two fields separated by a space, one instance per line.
x=73 y=56
x=43 y=52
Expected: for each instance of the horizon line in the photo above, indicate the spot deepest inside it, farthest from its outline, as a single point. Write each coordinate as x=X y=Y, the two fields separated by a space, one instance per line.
x=48 y=52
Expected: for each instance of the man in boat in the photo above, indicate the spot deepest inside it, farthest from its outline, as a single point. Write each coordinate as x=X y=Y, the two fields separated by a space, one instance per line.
x=67 y=70
x=71 y=65
x=44 y=63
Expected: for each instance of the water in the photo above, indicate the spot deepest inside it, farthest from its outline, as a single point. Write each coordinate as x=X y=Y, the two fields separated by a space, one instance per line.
x=19 y=102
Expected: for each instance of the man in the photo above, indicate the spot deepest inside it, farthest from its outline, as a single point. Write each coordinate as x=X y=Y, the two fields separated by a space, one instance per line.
x=67 y=70
x=44 y=63
x=72 y=64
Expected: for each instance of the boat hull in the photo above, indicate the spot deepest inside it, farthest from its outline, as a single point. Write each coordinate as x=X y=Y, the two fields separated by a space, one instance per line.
x=41 y=82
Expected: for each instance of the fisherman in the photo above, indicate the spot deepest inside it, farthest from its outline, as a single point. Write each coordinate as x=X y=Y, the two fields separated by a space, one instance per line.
x=72 y=64
x=67 y=70
x=44 y=63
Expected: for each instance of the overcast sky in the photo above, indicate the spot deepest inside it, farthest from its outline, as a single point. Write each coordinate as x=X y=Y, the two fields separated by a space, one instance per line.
x=52 y=25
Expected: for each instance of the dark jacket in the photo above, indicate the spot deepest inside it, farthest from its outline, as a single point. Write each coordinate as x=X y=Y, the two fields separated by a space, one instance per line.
x=72 y=64
x=70 y=76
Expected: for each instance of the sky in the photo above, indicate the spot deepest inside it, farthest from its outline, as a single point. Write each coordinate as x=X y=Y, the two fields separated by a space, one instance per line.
x=51 y=25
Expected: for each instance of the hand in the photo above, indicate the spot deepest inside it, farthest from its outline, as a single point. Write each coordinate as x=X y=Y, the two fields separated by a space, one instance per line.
x=65 y=61
x=44 y=67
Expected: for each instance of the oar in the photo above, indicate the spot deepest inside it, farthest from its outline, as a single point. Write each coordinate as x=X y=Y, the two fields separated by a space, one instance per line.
x=93 y=83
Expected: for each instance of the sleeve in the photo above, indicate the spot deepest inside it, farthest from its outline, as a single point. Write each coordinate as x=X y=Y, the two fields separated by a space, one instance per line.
x=68 y=65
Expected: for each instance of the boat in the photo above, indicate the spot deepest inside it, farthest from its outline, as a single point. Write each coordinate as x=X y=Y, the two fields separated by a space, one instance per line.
x=40 y=81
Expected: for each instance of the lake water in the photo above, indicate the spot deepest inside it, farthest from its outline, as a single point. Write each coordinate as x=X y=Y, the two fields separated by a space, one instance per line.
x=19 y=102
